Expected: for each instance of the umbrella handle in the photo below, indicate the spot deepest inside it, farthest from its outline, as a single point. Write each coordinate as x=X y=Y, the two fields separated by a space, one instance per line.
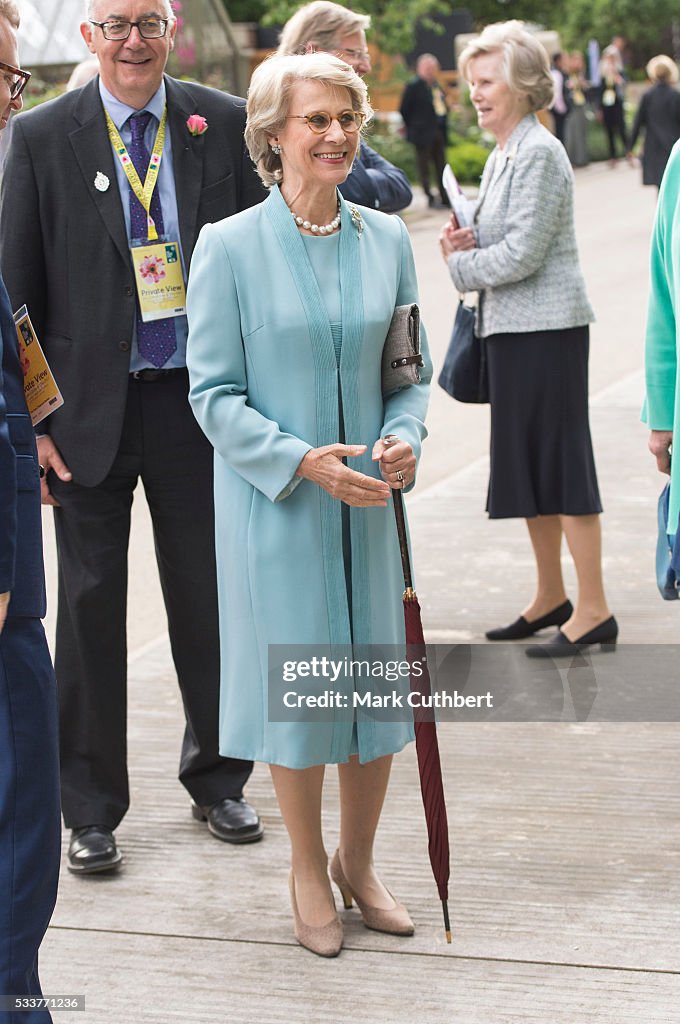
x=401 y=533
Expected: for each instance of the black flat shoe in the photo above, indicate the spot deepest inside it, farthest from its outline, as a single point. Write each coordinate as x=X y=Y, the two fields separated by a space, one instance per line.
x=521 y=628
x=232 y=821
x=93 y=850
x=562 y=647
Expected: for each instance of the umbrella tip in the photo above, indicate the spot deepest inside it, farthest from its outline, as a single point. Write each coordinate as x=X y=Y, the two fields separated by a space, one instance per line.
x=448 y=937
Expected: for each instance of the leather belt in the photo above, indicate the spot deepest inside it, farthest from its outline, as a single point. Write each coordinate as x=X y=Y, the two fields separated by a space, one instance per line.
x=151 y=374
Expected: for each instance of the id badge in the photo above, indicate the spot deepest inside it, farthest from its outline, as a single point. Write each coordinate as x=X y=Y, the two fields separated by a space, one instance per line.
x=159 y=279
x=40 y=388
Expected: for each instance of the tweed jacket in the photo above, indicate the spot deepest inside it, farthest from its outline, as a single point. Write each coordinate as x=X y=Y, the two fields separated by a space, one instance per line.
x=526 y=262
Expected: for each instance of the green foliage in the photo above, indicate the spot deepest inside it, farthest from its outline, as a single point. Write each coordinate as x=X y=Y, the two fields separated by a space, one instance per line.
x=540 y=12
x=467 y=161
x=39 y=92
x=392 y=24
x=645 y=24
x=245 y=10
x=393 y=147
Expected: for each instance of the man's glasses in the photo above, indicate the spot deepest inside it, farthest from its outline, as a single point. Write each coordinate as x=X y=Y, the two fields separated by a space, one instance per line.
x=354 y=54
x=149 y=28
x=15 y=79
x=346 y=55
x=319 y=122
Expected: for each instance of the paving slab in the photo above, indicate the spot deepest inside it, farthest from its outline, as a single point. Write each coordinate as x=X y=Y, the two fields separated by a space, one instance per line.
x=565 y=836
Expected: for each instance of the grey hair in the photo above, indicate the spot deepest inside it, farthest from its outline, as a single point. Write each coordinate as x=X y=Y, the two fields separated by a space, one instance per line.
x=662 y=69
x=526 y=65
x=91 y=4
x=269 y=101
x=322 y=23
x=10 y=12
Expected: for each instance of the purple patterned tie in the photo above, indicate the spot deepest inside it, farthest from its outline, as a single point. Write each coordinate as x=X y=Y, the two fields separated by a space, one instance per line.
x=157 y=339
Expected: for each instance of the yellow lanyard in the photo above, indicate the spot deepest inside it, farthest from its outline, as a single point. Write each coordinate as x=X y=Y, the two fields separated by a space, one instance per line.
x=145 y=192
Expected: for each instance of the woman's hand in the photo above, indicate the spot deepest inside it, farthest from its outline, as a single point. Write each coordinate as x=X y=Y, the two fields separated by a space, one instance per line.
x=324 y=467
x=660 y=444
x=453 y=238
x=397 y=461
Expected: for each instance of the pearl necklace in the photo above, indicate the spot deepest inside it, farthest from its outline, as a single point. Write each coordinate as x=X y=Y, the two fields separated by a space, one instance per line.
x=316 y=229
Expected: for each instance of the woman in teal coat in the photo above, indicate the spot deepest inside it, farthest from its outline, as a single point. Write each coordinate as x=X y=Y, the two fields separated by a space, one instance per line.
x=662 y=365
x=289 y=304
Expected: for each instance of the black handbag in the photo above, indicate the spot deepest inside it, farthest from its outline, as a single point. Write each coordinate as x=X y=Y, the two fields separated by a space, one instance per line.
x=464 y=374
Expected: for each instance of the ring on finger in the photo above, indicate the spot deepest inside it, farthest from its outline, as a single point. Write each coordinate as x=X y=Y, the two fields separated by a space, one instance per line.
x=400 y=476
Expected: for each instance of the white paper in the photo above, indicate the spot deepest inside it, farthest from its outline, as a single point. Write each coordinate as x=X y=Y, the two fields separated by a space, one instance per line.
x=462 y=207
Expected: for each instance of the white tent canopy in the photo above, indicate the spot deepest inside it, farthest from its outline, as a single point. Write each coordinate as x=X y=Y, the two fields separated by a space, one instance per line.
x=49 y=32
x=205 y=46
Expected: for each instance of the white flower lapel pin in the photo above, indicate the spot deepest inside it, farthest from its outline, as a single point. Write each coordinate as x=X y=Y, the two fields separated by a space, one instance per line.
x=101 y=182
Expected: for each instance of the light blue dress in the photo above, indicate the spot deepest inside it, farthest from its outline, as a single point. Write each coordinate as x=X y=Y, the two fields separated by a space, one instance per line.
x=266 y=387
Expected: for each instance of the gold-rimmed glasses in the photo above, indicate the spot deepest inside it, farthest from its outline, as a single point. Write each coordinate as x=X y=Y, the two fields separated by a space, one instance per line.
x=320 y=121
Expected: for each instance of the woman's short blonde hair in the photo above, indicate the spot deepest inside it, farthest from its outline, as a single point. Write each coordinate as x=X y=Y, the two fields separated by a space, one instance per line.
x=662 y=69
x=269 y=101
x=322 y=23
x=526 y=65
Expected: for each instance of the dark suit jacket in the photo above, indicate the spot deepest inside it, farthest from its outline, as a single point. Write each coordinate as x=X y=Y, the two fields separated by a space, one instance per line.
x=422 y=124
x=376 y=183
x=21 y=564
x=659 y=117
x=65 y=251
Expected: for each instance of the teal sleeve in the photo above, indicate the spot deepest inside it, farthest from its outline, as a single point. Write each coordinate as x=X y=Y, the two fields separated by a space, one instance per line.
x=252 y=445
x=661 y=334
x=405 y=410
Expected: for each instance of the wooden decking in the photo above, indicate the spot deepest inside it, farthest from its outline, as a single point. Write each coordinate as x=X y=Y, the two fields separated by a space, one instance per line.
x=565 y=836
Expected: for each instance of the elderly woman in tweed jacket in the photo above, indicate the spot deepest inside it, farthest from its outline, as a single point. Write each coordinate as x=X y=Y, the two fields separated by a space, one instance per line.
x=533 y=312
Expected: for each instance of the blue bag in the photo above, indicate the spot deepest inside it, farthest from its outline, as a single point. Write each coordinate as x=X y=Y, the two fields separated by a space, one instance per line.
x=667 y=552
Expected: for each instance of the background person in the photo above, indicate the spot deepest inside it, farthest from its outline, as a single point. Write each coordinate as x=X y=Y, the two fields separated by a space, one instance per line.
x=68 y=218
x=576 y=129
x=424 y=109
x=658 y=116
x=610 y=96
x=322 y=25
x=29 y=765
x=561 y=104
x=271 y=299
x=534 y=314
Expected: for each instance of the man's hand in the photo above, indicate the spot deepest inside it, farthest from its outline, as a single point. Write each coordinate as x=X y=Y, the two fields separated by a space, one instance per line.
x=50 y=459
x=4 y=604
x=660 y=442
x=324 y=467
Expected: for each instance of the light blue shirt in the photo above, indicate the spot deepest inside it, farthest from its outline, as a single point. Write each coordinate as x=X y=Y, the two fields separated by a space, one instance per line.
x=120 y=114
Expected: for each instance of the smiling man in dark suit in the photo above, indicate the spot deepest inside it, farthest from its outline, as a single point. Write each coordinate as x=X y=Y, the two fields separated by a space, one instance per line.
x=73 y=212
x=29 y=769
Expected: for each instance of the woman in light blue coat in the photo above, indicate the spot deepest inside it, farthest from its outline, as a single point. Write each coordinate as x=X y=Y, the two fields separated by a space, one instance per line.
x=289 y=304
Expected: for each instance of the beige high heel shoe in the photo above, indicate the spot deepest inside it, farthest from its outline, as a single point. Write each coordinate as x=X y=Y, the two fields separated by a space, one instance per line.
x=324 y=941
x=395 y=921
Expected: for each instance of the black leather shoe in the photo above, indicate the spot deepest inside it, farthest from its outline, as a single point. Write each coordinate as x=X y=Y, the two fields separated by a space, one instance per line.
x=93 y=850
x=233 y=821
x=521 y=628
x=561 y=646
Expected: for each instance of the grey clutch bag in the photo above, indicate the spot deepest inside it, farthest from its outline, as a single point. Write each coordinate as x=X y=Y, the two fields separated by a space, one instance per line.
x=401 y=353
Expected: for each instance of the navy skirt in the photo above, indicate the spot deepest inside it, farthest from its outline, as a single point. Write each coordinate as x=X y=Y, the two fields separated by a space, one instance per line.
x=541 y=453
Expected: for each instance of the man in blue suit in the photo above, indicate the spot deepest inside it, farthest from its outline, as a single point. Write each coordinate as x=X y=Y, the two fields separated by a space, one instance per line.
x=29 y=770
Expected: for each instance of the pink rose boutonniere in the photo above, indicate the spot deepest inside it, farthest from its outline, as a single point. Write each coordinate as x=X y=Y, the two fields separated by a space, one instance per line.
x=197 y=124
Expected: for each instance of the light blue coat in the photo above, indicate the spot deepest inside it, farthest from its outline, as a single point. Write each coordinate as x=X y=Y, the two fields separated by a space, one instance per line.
x=264 y=387
x=661 y=410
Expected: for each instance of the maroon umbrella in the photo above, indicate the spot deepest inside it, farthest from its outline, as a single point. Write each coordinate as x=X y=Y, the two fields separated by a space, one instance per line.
x=427 y=746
